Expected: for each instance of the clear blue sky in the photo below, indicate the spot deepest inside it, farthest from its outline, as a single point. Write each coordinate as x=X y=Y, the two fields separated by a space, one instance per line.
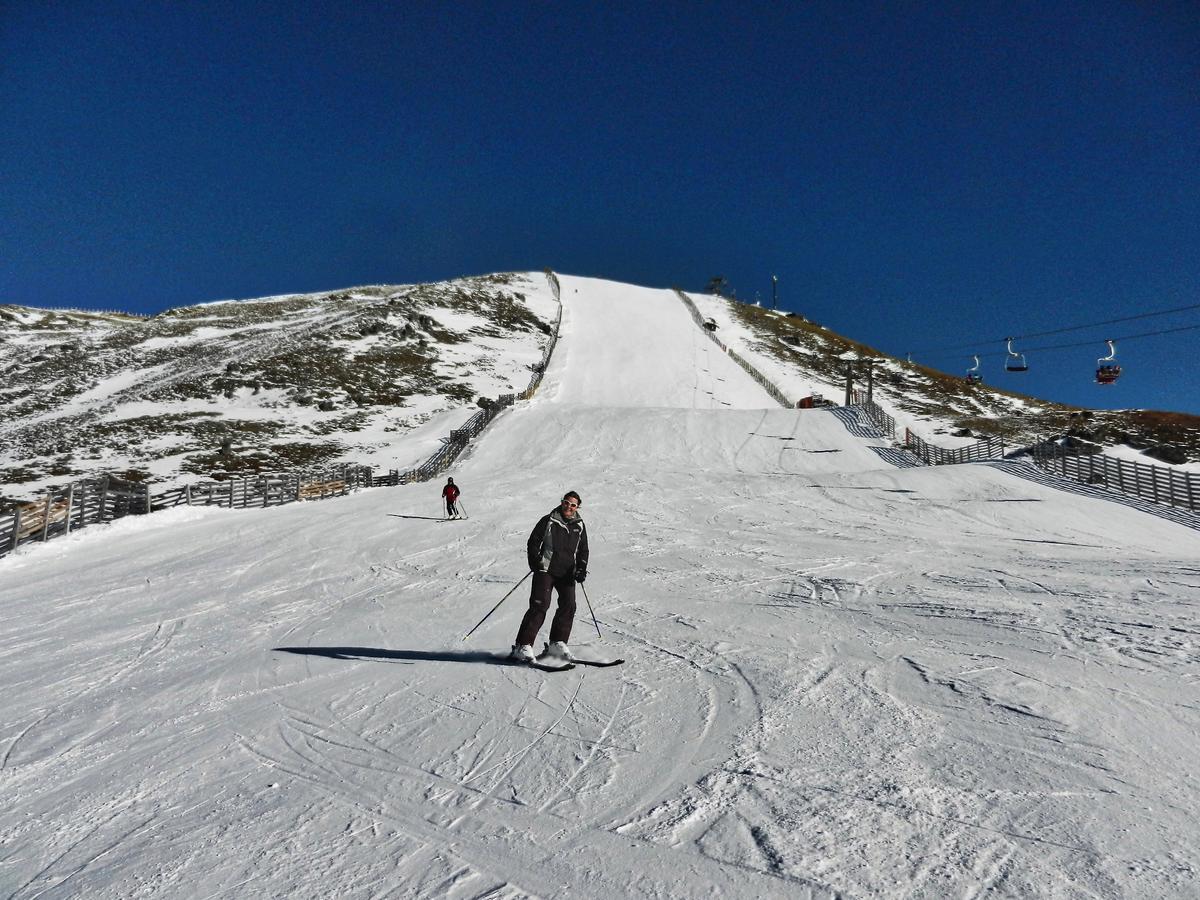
x=918 y=175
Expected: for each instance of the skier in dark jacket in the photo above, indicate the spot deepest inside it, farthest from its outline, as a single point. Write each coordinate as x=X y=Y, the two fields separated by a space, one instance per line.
x=558 y=557
x=450 y=493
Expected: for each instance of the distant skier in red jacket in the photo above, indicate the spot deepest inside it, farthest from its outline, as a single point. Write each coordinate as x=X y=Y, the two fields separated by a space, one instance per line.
x=450 y=494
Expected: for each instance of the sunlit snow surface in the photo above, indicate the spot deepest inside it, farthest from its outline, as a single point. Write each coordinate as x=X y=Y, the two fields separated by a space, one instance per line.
x=843 y=677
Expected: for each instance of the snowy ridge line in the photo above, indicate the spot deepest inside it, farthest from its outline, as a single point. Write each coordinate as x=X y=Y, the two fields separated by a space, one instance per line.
x=96 y=501
x=768 y=385
x=75 y=310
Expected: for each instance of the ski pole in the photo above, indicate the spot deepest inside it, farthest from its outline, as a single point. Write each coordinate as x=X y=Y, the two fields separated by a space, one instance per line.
x=592 y=611
x=463 y=509
x=497 y=606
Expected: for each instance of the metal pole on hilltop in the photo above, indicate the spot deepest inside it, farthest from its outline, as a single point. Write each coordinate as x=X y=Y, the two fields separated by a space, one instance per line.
x=774 y=292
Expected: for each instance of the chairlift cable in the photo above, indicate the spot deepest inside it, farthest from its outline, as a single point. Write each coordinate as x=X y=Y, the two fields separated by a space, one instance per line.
x=1128 y=337
x=1161 y=312
x=1108 y=322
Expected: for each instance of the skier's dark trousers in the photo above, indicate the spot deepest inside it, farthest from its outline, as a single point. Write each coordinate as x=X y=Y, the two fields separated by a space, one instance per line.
x=558 y=557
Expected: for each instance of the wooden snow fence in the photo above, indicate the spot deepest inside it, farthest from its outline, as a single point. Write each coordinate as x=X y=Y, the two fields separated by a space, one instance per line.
x=875 y=413
x=1159 y=484
x=83 y=503
x=273 y=490
x=36 y=517
x=539 y=368
x=319 y=490
x=988 y=448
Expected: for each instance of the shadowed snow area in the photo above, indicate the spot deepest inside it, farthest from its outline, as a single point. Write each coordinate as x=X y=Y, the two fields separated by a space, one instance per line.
x=842 y=677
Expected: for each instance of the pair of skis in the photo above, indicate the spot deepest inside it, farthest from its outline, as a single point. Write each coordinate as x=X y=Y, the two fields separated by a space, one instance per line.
x=547 y=663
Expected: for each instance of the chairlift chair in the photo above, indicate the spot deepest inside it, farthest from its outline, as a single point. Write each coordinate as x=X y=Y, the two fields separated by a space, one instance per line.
x=973 y=373
x=1015 y=361
x=1107 y=370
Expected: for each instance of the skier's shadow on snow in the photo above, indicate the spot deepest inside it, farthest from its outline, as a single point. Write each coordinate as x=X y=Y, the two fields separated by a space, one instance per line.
x=364 y=654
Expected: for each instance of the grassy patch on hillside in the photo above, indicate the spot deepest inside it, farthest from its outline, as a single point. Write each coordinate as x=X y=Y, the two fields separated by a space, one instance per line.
x=274 y=458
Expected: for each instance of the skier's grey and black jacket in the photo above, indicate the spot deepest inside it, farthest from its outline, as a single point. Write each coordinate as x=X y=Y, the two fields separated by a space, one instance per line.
x=557 y=545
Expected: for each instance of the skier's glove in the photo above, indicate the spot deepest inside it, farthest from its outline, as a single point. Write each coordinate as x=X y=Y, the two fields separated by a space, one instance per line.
x=580 y=574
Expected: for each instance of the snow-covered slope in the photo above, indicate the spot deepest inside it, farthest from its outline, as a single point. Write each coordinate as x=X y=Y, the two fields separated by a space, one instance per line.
x=842 y=678
x=628 y=346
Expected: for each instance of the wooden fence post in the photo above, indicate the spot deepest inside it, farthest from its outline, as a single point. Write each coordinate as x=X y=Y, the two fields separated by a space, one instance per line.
x=70 y=501
x=103 y=498
x=16 y=528
x=46 y=518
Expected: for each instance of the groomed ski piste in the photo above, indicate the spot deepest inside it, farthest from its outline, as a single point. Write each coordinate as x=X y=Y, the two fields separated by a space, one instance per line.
x=842 y=678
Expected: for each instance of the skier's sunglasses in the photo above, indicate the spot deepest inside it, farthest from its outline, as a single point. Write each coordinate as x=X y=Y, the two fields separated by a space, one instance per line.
x=570 y=504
